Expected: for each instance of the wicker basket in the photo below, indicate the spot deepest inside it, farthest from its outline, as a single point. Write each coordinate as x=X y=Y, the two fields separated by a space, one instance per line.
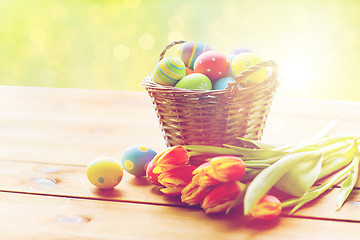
x=213 y=117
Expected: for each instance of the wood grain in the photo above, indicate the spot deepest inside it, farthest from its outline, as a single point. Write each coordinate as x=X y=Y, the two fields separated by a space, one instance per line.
x=48 y=136
x=71 y=181
x=36 y=217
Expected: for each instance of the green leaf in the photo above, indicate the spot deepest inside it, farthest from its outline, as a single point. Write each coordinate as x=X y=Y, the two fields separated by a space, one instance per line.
x=249 y=153
x=211 y=150
x=341 y=160
x=315 y=191
x=239 y=199
x=268 y=177
x=257 y=144
x=348 y=185
x=301 y=177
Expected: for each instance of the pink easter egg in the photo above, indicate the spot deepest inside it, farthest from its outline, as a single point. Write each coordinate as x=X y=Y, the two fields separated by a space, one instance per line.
x=213 y=64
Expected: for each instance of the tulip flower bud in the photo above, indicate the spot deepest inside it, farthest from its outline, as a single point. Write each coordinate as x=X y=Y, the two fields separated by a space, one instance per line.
x=268 y=207
x=176 y=179
x=170 y=158
x=220 y=169
x=222 y=197
x=194 y=194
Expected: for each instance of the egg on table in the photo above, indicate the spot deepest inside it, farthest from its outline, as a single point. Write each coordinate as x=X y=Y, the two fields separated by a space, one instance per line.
x=213 y=64
x=135 y=159
x=189 y=51
x=104 y=172
x=244 y=61
x=169 y=71
x=195 y=81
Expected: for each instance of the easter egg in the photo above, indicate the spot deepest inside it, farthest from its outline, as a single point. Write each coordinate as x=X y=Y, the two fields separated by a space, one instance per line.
x=151 y=176
x=215 y=65
x=237 y=51
x=222 y=83
x=189 y=51
x=195 y=81
x=136 y=158
x=242 y=62
x=104 y=172
x=169 y=71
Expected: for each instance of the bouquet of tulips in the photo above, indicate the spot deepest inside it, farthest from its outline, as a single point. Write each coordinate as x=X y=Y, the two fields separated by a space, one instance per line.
x=246 y=174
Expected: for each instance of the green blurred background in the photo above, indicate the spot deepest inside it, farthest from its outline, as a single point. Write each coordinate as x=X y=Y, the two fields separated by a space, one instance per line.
x=115 y=44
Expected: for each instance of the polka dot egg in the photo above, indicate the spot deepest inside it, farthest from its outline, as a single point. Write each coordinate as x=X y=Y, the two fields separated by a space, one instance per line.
x=244 y=61
x=189 y=51
x=104 y=172
x=215 y=65
x=136 y=158
x=169 y=71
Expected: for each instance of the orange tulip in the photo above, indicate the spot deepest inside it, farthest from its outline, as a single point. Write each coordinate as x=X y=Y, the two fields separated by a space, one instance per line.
x=174 y=180
x=220 y=169
x=194 y=194
x=268 y=207
x=222 y=197
x=170 y=158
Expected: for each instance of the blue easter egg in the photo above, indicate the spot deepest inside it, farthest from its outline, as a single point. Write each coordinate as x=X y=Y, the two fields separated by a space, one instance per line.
x=222 y=83
x=135 y=159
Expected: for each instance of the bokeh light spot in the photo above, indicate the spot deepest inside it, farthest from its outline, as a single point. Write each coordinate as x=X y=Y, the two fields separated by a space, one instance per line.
x=38 y=36
x=175 y=36
x=121 y=52
x=146 y=41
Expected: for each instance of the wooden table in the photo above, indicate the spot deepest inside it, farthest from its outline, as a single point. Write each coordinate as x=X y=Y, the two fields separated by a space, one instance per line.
x=48 y=136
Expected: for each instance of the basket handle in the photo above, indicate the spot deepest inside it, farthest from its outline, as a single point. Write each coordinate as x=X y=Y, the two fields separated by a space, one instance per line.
x=170 y=45
x=233 y=86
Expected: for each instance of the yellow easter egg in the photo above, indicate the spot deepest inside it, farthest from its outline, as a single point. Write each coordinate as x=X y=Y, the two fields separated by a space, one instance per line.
x=244 y=61
x=104 y=172
x=169 y=71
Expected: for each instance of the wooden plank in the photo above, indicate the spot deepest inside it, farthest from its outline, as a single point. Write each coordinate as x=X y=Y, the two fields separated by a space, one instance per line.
x=37 y=124
x=296 y=119
x=71 y=181
x=39 y=217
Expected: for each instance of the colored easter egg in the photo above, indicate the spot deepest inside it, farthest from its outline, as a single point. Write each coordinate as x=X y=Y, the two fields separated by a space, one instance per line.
x=195 y=81
x=242 y=62
x=151 y=176
x=223 y=83
x=215 y=65
x=136 y=158
x=237 y=51
x=169 y=71
x=104 y=172
x=189 y=51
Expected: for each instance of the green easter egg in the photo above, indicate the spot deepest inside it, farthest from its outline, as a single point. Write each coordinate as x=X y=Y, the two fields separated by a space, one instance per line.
x=169 y=71
x=195 y=81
